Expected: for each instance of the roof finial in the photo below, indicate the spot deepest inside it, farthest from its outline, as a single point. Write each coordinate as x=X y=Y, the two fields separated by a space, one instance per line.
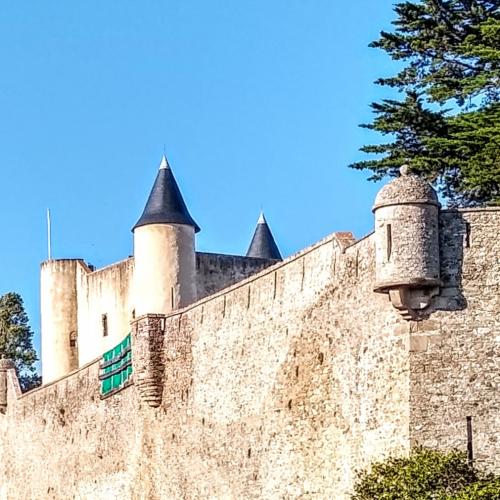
x=164 y=162
x=262 y=219
x=404 y=169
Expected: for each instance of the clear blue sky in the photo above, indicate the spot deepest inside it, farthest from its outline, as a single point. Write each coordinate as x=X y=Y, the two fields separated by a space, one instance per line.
x=257 y=102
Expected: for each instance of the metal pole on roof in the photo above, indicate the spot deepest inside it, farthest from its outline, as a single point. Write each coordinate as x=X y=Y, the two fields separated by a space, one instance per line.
x=49 y=235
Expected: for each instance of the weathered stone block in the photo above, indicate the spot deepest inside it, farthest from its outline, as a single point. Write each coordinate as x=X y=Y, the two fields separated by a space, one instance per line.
x=418 y=343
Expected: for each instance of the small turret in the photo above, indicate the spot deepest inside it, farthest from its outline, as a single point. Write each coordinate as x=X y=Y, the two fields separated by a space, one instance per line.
x=263 y=244
x=164 y=252
x=407 y=243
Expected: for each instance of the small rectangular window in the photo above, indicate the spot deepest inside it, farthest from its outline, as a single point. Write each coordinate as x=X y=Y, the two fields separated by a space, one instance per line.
x=389 y=242
x=104 y=325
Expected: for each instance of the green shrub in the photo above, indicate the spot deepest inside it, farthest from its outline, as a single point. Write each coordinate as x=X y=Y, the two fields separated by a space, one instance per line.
x=426 y=475
x=488 y=489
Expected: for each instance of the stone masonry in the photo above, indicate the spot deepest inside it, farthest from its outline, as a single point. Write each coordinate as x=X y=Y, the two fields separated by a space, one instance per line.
x=280 y=386
x=283 y=378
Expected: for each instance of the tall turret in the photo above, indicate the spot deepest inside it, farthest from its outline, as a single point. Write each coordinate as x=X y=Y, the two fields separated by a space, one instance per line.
x=58 y=310
x=407 y=243
x=263 y=245
x=164 y=251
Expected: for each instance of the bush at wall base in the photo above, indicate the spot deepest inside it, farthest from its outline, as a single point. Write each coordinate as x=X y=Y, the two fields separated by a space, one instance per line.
x=424 y=475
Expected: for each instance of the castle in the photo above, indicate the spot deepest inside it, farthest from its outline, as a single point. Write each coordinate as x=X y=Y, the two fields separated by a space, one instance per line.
x=86 y=312
x=181 y=374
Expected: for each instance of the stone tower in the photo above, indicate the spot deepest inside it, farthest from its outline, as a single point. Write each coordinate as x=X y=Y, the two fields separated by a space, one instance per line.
x=263 y=244
x=407 y=243
x=164 y=249
x=58 y=310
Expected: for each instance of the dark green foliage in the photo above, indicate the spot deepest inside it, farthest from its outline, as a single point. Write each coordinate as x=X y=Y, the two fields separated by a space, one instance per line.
x=16 y=339
x=447 y=126
x=411 y=125
x=468 y=157
x=487 y=489
x=29 y=381
x=425 y=475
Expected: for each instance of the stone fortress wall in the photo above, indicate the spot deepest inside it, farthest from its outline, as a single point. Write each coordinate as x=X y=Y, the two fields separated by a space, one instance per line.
x=455 y=355
x=277 y=387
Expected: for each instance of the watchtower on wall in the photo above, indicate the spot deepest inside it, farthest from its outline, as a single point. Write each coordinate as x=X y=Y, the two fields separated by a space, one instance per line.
x=407 y=243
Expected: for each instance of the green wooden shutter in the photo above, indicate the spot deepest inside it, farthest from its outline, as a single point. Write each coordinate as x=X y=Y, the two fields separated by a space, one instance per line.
x=116 y=367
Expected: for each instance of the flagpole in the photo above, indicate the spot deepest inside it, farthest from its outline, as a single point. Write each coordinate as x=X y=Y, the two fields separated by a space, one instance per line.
x=49 y=235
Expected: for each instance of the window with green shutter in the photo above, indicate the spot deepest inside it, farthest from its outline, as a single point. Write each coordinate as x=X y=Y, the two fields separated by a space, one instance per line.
x=116 y=367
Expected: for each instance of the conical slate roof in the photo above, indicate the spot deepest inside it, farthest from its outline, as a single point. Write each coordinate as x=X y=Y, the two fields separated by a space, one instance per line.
x=263 y=245
x=165 y=204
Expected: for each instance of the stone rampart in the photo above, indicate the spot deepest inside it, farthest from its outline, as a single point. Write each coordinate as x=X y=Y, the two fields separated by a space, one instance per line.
x=455 y=355
x=293 y=379
x=269 y=391
x=277 y=387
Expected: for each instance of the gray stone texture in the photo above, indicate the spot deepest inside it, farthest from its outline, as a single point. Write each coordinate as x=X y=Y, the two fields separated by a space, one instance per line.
x=408 y=253
x=406 y=232
x=148 y=357
x=280 y=386
x=455 y=362
x=406 y=189
x=216 y=271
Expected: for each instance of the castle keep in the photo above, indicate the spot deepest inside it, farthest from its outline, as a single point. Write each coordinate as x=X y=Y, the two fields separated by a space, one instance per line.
x=180 y=374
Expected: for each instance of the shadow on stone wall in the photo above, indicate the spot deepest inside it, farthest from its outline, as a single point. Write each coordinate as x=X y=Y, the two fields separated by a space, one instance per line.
x=454 y=237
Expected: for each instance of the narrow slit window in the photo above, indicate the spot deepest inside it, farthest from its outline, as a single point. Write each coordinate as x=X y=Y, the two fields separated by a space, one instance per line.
x=467 y=235
x=72 y=339
x=389 y=242
x=104 y=325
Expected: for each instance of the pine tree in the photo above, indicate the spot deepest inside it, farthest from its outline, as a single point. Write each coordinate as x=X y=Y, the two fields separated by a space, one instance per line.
x=447 y=126
x=16 y=339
